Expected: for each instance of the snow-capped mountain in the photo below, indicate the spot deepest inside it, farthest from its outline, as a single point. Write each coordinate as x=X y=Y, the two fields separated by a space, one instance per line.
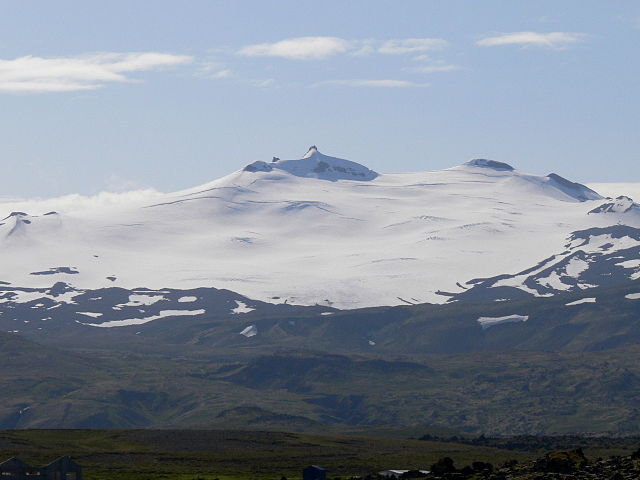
x=328 y=231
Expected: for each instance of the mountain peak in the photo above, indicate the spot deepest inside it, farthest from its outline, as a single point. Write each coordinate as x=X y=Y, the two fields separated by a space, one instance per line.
x=317 y=165
x=621 y=204
x=313 y=150
x=492 y=164
x=573 y=189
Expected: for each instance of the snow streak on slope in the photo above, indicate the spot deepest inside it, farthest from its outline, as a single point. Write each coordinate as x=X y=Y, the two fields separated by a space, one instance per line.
x=314 y=230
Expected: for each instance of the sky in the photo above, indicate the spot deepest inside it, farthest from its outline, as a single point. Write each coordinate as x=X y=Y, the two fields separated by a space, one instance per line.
x=123 y=95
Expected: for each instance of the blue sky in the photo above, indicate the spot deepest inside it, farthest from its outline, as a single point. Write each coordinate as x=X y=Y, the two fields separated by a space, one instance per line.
x=119 y=95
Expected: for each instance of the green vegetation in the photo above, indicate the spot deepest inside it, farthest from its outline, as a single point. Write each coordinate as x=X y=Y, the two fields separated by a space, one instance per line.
x=511 y=393
x=182 y=454
x=430 y=368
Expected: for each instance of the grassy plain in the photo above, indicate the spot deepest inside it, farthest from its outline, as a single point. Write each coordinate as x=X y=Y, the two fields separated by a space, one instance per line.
x=231 y=455
x=258 y=455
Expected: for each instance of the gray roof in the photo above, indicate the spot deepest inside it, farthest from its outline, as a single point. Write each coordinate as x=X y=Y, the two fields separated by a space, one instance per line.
x=13 y=463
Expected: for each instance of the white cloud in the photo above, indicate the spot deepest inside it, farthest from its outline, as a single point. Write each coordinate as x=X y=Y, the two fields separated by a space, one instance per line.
x=386 y=83
x=85 y=72
x=533 y=39
x=411 y=45
x=118 y=184
x=76 y=202
x=301 y=48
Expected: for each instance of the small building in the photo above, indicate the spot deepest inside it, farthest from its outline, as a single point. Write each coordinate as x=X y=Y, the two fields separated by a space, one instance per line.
x=313 y=472
x=14 y=469
x=402 y=473
x=61 y=469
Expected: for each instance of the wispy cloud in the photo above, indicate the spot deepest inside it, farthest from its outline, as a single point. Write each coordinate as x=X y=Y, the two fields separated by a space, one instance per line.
x=427 y=65
x=384 y=83
x=315 y=48
x=533 y=39
x=214 y=70
x=301 y=48
x=225 y=73
x=32 y=74
x=411 y=45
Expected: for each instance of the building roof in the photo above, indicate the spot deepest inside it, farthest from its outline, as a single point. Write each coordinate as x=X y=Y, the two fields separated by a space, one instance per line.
x=62 y=463
x=13 y=463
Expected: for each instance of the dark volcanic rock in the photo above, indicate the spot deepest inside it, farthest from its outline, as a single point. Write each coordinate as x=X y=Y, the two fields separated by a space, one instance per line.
x=555 y=465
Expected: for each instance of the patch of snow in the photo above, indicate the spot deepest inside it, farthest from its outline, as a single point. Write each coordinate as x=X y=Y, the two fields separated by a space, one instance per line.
x=576 y=266
x=137 y=300
x=140 y=321
x=250 y=331
x=26 y=297
x=187 y=299
x=371 y=342
x=581 y=301
x=326 y=313
x=90 y=314
x=629 y=264
x=486 y=322
x=605 y=242
x=241 y=308
x=554 y=281
x=633 y=296
x=66 y=297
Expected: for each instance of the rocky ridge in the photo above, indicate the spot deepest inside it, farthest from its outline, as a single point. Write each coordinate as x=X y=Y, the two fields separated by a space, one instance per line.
x=557 y=465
